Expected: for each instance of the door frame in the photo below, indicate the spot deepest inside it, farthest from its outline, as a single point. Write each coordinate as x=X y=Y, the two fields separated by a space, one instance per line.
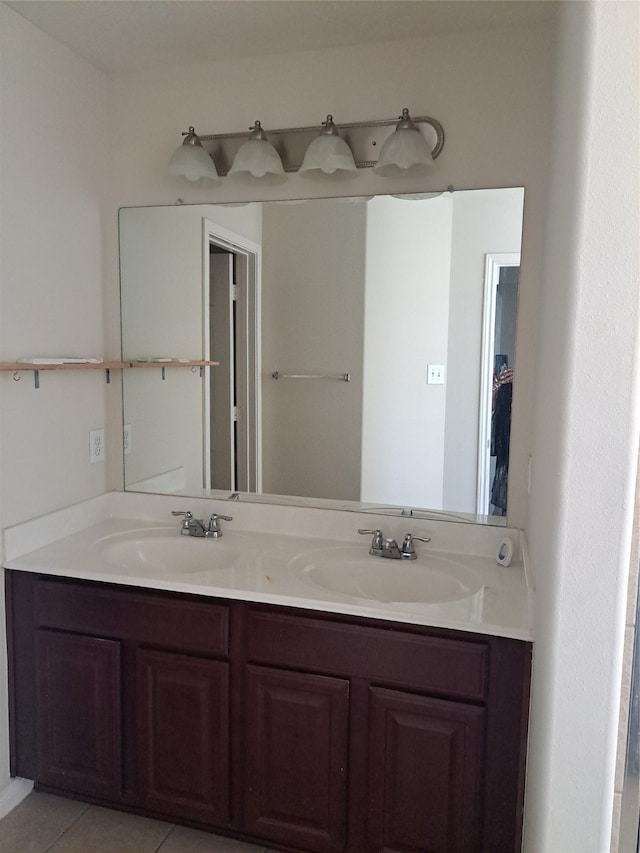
x=236 y=244
x=494 y=262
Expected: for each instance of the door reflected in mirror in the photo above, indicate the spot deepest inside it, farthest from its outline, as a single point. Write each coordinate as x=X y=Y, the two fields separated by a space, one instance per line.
x=366 y=350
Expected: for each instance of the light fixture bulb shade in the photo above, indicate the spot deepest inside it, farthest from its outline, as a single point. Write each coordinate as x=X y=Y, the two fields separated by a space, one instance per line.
x=405 y=149
x=328 y=155
x=417 y=196
x=258 y=160
x=191 y=161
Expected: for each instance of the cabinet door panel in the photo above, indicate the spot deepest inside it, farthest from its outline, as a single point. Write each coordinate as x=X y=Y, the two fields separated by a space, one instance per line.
x=297 y=732
x=183 y=735
x=79 y=733
x=425 y=772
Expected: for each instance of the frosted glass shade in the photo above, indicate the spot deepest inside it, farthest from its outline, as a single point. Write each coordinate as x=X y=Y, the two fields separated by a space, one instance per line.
x=328 y=156
x=191 y=161
x=405 y=149
x=416 y=196
x=257 y=159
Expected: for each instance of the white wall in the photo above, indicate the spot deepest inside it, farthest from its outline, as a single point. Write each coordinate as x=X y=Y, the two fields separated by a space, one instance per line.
x=586 y=430
x=490 y=90
x=482 y=223
x=312 y=309
x=52 y=174
x=406 y=329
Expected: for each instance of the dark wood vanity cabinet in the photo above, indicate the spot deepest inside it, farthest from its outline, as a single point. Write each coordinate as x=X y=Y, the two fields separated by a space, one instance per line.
x=182 y=735
x=296 y=753
x=79 y=713
x=310 y=732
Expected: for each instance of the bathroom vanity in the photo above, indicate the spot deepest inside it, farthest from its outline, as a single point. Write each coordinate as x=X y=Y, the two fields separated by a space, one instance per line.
x=299 y=727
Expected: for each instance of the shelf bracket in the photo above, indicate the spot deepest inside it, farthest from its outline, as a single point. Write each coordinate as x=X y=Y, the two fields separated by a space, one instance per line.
x=107 y=376
x=36 y=378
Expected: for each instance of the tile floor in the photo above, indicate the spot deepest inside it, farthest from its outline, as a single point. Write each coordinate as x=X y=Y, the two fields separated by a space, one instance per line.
x=46 y=824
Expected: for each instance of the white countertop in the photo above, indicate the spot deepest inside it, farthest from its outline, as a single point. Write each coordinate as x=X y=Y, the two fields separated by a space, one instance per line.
x=265 y=567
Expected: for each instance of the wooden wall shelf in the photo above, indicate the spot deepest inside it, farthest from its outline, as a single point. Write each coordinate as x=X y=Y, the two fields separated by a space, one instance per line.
x=171 y=364
x=18 y=366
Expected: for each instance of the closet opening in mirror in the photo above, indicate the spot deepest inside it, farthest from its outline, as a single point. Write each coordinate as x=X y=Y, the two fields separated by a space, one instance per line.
x=231 y=398
x=502 y=274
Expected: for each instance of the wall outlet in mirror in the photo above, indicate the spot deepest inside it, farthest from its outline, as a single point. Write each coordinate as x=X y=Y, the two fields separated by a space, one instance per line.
x=126 y=439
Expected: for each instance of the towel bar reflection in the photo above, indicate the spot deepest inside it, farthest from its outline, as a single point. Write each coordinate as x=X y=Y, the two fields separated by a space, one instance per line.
x=341 y=377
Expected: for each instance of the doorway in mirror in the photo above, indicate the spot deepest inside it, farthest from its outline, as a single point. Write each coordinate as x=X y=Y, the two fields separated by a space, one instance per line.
x=502 y=274
x=231 y=395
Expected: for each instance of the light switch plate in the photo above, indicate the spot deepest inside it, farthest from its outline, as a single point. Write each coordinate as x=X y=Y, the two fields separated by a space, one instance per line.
x=435 y=374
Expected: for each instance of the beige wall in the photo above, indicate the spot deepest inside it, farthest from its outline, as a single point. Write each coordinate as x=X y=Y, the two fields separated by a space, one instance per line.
x=53 y=174
x=161 y=258
x=312 y=309
x=53 y=151
x=586 y=429
x=406 y=329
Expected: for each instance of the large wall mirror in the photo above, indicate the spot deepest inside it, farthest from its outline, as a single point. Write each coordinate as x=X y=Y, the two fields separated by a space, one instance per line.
x=365 y=347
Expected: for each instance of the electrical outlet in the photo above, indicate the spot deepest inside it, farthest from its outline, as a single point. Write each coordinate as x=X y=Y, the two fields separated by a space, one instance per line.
x=96 y=445
x=435 y=374
x=126 y=439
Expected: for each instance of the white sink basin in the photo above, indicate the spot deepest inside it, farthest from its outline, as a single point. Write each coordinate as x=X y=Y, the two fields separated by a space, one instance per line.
x=163 y=552
x=351 y=571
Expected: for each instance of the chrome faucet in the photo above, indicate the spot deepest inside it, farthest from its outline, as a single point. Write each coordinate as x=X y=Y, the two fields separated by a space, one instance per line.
x=190 y=526
x=389 y=548
x=215 y=531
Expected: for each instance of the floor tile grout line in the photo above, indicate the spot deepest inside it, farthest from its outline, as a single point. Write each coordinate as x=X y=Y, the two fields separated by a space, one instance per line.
x=87 y=807
x=171 y=828
x=67 y=828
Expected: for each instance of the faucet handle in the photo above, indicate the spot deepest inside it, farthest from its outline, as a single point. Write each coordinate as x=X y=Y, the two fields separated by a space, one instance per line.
x=376 y=542
x=187 y=514
x=214 y=524
x=187 y=520
x=408 y=548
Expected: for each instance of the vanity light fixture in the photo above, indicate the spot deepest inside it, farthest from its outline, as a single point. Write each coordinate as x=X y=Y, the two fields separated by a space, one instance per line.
x=328 y=155
x=405 y=149
x=191 y=161
x=408 y=144
x=257 y=159
x=417 y=196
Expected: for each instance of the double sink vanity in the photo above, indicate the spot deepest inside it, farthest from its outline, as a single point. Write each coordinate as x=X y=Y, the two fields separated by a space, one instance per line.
x=278 y=683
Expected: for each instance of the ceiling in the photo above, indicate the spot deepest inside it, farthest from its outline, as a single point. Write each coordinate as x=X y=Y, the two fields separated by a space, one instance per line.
x=133 y=35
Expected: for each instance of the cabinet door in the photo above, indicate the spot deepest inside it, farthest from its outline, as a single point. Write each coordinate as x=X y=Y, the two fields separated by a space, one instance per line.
x=79 y=708
x=296 y=759
x=425 y=772
x=183 y=735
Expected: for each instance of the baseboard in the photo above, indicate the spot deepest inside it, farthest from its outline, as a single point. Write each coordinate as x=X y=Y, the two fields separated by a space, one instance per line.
x=14 y=793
